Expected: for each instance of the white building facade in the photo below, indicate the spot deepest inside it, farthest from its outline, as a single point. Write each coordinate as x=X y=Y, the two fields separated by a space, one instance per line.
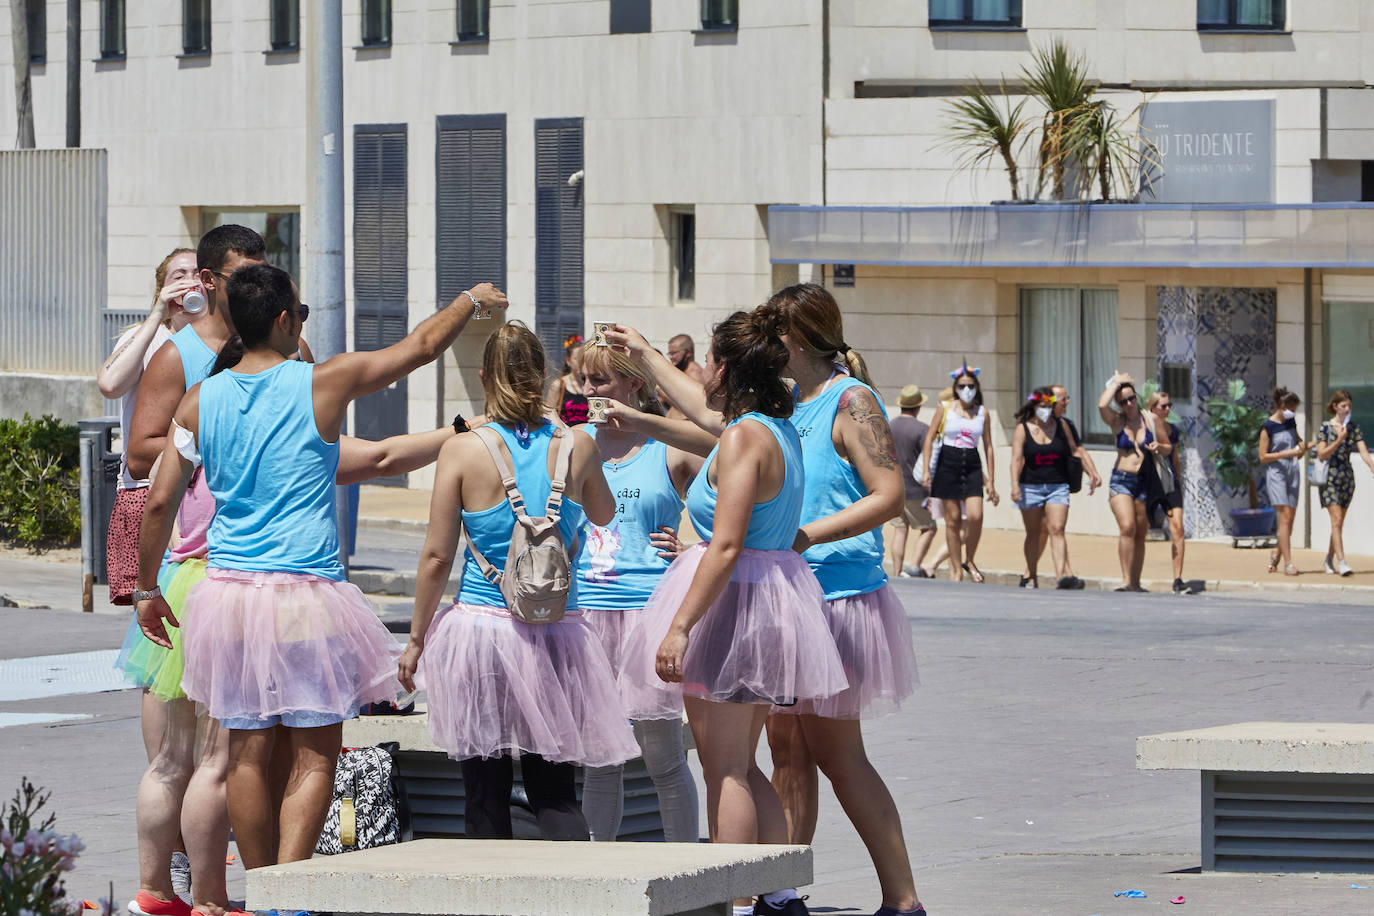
x=617 y=160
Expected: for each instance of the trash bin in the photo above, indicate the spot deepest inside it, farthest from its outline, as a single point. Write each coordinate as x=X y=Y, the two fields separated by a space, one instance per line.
x=99 y=484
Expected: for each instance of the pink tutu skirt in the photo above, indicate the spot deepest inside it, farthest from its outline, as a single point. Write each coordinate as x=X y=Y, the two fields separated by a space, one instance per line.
x=764 y=640
x=873 y=635
x=500 y=687
x=262 y=644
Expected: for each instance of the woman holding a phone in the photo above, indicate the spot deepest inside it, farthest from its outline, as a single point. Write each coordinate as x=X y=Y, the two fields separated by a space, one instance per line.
x=621 y=563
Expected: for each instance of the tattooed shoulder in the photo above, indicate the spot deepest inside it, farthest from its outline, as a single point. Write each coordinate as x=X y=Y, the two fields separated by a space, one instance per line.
x=874 y=432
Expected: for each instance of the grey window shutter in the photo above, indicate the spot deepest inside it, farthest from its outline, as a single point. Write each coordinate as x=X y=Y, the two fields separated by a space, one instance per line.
x=380 y=266
x=558 y=243
x=470 y=203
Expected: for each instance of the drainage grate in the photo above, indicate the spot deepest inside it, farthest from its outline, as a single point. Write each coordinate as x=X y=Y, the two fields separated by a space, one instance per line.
x=1286 y=822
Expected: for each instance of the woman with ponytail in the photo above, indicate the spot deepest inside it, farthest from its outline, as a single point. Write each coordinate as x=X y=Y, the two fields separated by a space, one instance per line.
x=735 y=625
x=499 y=687
x=853 y=486
x=277 y=646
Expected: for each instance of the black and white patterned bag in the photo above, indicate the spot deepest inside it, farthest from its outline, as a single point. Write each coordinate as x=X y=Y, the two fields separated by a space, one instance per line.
x=369 y=805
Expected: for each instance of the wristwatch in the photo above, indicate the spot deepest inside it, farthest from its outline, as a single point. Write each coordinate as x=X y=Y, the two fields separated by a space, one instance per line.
x=140 y=595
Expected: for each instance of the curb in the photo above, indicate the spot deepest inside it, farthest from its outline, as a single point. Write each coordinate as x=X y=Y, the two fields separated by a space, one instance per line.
x=393 y=525
x=1165 y=586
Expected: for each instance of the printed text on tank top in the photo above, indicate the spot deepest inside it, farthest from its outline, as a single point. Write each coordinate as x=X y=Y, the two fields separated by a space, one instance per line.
x=836 y=372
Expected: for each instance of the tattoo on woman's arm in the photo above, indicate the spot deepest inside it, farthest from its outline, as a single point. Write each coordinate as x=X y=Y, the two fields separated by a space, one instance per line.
x=875 y=433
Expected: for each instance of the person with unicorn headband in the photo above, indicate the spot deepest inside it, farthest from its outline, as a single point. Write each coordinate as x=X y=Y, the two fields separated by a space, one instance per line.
x=953 y=472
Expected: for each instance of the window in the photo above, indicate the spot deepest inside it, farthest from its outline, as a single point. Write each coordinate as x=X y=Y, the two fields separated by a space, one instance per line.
x=684 y=228
x=195 y=27
x=1256 y=15
x=472 y=19
x=111 y=29
x=975 y=14
x=286 y=25
x=720 y=15
x=628 y=16
x=1069 y=336
x=280 y=229
x=38 y=30
x=376 y=25
x=1177 y=379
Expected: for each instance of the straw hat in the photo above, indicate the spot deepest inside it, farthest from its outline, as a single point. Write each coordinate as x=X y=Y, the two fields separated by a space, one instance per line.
x=910 y=397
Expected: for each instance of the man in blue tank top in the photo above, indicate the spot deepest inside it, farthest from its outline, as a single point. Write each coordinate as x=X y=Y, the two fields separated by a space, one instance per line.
x=175 y=369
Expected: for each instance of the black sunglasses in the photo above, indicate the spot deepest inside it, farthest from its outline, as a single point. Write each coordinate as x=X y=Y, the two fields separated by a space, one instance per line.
x=1124 y=401
x=303 y=311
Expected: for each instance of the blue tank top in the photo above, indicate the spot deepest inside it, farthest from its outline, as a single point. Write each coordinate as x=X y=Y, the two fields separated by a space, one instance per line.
x=196 y=358
x=774 y=524
x=490 y=529
x=617 y=567
x=271 y=474
x=853 y=566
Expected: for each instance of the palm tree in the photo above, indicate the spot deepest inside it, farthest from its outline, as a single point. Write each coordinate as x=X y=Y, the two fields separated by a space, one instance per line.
x=984 y=129
x=1113 y=146
x=1058 y=79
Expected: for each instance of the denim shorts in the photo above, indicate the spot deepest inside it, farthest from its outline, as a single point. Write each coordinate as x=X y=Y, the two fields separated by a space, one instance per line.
x=1035 y=495
x=305 y=718
x=1127 y=483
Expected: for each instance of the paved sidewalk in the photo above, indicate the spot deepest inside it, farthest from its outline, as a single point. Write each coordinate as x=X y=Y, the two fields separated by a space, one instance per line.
x=1211 y=565
x=1013 y=765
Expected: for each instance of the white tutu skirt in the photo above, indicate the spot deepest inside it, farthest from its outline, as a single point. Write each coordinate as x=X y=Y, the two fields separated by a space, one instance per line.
x=873 y=636
x=764 y=640
x=500 y=687
x=262 y=644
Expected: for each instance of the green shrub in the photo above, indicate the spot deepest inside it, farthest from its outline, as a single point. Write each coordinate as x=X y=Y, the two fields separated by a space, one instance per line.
x=40 y=478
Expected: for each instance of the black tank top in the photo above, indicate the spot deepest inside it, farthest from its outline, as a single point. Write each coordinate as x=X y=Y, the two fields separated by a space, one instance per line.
x=1048 y=463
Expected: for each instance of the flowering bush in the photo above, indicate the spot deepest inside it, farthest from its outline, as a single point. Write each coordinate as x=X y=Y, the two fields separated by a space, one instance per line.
x=34 y=857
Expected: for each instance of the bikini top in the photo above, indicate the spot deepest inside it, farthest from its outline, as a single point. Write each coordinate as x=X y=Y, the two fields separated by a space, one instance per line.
x=1126 y=444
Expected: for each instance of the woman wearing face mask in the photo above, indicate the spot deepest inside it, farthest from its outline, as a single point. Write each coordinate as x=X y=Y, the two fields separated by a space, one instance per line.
x=1280 y=450
x=1159 y=404
x=1339 y=437
x=1137 y=441
x=958 y=480
x=1040 y=449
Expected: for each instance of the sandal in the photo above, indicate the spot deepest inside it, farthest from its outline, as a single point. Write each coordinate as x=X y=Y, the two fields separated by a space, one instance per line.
x=1290 y=570
x=1028 y=582
x=1273 y=562
x=973 y=571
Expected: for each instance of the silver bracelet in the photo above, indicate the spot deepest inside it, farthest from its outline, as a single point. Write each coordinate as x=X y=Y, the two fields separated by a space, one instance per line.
x=476 y=306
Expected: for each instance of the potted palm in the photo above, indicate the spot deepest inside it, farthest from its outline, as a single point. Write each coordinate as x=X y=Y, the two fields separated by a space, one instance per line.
x=1234 y=426
x=986 y=130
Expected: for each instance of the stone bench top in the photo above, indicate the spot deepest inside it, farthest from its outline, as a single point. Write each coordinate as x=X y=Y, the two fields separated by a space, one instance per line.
x=412 y=732
x=1262 y=747
x=529 y=878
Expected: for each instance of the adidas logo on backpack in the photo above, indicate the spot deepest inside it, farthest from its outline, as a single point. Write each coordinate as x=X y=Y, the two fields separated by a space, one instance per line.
x=538 y=574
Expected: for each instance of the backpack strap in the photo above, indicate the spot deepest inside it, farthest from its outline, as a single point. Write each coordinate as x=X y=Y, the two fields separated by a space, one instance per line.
x=492 y=440
x=559 y=482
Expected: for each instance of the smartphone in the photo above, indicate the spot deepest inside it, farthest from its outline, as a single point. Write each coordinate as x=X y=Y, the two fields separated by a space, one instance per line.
x=596 y=409
x=599 y=329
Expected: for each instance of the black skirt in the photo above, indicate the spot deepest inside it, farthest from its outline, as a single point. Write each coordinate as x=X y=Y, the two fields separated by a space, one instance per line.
x=958 y=474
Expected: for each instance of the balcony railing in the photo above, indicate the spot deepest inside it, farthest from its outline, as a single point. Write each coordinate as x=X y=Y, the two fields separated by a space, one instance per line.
x=1077 y=235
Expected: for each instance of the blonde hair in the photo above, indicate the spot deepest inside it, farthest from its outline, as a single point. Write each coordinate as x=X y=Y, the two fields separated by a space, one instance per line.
x=809 y=314
x=159 y=281
x=1153 y=400
x=607 y=360
x=513 y=375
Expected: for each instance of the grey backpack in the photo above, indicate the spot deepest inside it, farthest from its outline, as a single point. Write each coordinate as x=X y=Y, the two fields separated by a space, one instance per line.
x=538 y=573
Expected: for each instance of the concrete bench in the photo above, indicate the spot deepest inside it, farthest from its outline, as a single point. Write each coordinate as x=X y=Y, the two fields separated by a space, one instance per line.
x=1278 y=796
x=434 y=783
x=530 y=878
